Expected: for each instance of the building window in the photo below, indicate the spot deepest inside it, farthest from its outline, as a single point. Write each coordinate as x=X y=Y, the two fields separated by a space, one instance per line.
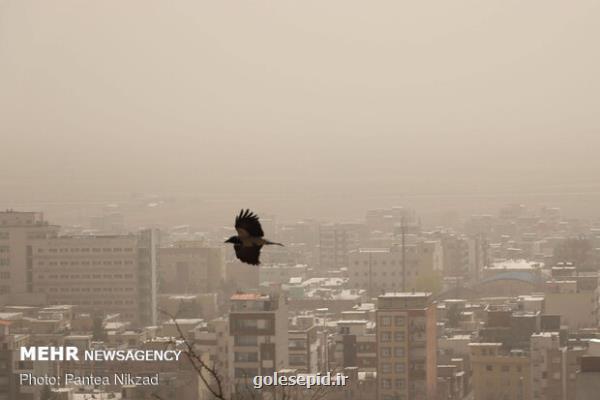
x=245 y=340
x=297 y=359
x=399 y=367
x=386 y=368
x=246 y=356
x=386 y=336
x=386 y=352
x=247 y=373
x=399 y=321
x=489 y=368
x=386 y=321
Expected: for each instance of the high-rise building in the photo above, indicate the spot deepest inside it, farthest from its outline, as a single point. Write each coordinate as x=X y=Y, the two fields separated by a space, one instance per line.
x=147 y=248
x=406 y=346
x=305 y=345
x=381 y=270
x=190 y=267
x=258 y=325
x=11 y=366
x=213 y=343
x=18 y=232
x=478 y=255
x=355 y=345
x=99 y=274
x=335 y=243
x=455 y=250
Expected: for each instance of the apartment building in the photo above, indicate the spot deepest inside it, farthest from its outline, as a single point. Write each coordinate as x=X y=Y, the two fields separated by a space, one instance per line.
x=11 y=366
x=381 y=270
x=355 y=345
x=258 y=326
x=281 y=273
x=575 y=298
x=406 y=346
x=213 y=339
x=99 y=274
x=588 y=378
x=305 y=345
x=19 y=231
x=455 y=250
x=498 y=374
x=511 y=328
x=336 y=241
x=190 y=267
x=553 y=368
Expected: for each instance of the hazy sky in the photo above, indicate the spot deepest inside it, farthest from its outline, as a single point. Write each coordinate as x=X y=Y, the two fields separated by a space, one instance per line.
x=390 y=96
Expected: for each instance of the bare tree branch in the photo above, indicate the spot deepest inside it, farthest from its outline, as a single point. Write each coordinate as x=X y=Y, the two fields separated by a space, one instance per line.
x=198 y=363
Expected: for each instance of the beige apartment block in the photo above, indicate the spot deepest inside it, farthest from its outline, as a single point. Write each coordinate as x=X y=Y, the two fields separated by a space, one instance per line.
x=381 y=270
x=406 y=346
x=498 y=374
x=258 y=325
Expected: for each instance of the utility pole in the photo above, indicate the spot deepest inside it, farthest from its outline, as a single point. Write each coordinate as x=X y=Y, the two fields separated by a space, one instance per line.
x=403 y=231
x=370 y=277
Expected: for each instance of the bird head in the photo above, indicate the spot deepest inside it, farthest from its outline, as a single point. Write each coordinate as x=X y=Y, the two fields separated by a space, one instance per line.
x=233 y=239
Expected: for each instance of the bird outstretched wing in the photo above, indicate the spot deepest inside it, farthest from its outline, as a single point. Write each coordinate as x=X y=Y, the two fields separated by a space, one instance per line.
x=248 y=254
x=246 y=224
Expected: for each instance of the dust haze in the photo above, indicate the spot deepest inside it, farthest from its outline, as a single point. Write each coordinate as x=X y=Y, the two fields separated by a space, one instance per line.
x=305 y=109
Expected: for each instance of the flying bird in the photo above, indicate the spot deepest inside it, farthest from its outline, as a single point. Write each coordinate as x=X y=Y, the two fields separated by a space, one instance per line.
x=249 y=239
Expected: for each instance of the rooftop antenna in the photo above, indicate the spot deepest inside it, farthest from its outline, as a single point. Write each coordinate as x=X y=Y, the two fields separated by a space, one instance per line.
x=403 y=231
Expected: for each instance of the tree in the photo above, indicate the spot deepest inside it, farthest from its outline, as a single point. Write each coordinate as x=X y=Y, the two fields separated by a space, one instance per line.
x=214 y=383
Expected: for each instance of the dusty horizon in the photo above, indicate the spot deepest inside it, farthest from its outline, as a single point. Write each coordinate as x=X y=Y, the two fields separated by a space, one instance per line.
x=301 y=105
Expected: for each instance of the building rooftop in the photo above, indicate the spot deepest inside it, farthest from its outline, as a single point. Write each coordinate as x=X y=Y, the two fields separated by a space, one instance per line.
x=515 y=264
x=249 y=296
x=405 y=294
x=548 y=335
x=352 y=322
x=374 y=250
x=10 y=316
